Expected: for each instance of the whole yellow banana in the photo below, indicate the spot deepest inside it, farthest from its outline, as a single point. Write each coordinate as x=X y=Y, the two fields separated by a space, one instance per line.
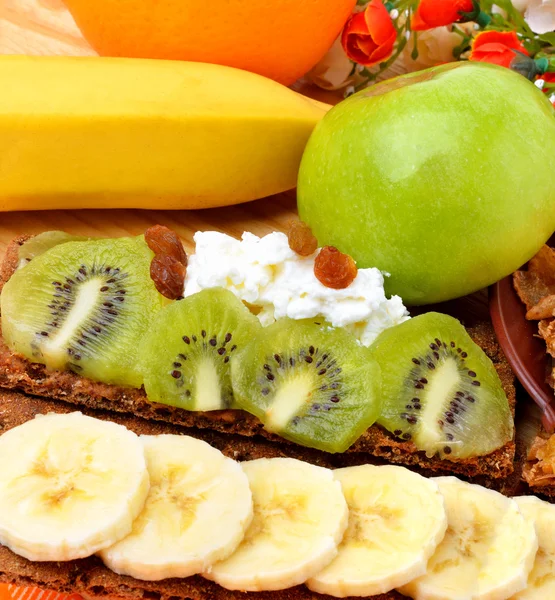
x=134 y=133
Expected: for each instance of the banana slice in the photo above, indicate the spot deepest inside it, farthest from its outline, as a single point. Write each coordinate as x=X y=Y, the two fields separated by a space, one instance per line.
x=300 y=516
x=488 y=550
x=197 y=512
x=396 y=520
x=541 y=581
x=62 y=494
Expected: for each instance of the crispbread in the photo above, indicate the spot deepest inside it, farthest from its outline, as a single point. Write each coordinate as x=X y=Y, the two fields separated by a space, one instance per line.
x=91 y=578
x=17 y=373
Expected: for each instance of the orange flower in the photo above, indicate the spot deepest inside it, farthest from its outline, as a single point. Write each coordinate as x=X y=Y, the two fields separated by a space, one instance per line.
x=497 y=47
x=369 y=36
x=436 y=13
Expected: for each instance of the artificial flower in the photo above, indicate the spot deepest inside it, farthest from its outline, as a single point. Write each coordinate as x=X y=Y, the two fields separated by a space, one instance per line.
x=497 y=47
x=335 y=71
x=369 y=36
x=540 y=15
x=437 y=13
x=550 y=79
x=434 y=47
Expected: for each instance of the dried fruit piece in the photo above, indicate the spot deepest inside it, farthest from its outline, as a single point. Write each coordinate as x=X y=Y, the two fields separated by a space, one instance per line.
x=168 y=275
x=301 y=240
x=543 y=310
x=334 y=269
x=162 y=240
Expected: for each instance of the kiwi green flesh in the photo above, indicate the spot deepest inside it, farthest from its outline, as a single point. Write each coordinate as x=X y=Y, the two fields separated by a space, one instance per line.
x=309 y=383
x=83 y=306
x=186 y=355
x=440 y=390
x=43 y=242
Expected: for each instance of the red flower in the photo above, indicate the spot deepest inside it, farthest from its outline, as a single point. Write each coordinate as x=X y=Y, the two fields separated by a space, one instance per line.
x=497 y=47
x=549 y=78
x=369 y=36
x=436 y=13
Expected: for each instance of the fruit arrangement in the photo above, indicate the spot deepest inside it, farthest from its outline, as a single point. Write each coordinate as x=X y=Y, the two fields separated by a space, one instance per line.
x=213 y=424
x=379 y=528
x=96 y=308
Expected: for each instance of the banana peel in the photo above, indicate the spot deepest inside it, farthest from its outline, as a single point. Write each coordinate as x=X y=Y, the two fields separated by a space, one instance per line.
x=89 y=132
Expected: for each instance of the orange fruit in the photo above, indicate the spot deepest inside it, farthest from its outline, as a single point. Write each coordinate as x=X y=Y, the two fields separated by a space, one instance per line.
x=281 y=39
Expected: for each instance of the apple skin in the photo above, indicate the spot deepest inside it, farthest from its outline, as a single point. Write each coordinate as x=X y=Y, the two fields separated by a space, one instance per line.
x=445 y=178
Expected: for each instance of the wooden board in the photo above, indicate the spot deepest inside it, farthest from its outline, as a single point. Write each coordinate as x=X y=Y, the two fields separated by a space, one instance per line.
x=46 y=27
x=260 y=217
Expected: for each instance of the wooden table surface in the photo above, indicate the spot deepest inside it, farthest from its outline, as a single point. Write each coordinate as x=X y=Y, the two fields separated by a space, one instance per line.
x=45 y=27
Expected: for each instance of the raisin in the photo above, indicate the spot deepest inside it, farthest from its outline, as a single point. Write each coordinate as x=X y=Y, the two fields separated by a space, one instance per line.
x=334 y=269
x=301 y=239
x=168 y=275
x=162 y=240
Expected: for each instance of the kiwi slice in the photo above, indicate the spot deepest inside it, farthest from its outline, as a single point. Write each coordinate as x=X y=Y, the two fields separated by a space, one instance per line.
x=440 y=390
x=39 y=244
x=83 y=306
x=309 y=383
x=186 y=354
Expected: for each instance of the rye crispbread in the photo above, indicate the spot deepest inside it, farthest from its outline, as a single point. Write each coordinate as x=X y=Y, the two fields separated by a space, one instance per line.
x=17 y=373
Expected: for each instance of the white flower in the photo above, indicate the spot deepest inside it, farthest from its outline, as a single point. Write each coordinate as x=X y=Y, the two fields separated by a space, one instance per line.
x=540 y=15
x=334 y=71
x=435 y=46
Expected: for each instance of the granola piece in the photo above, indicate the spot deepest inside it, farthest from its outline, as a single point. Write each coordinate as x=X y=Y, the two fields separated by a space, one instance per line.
x=544 y=309
x=539 y=470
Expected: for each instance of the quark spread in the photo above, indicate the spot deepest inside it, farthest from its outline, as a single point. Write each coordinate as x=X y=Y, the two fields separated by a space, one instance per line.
x=277 y=282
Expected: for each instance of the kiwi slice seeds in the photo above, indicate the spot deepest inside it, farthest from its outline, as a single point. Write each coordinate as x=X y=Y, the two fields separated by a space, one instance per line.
x=308 y=382
x=83 y=307
x=186 y=355
x=440 y=389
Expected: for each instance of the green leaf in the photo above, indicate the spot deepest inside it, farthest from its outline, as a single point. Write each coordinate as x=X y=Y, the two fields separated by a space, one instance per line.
x=548 y=37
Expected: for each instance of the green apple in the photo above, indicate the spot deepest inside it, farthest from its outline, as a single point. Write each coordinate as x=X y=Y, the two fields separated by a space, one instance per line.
x=445 y=178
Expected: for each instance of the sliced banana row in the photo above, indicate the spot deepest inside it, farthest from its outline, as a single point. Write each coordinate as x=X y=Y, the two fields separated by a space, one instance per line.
x=172 y=506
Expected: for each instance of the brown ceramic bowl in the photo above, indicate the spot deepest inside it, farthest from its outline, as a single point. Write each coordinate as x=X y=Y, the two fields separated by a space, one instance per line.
x=519 y=339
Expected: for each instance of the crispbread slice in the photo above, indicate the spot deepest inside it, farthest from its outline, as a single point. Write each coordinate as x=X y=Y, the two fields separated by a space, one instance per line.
x=17 y=373
x=91 y=578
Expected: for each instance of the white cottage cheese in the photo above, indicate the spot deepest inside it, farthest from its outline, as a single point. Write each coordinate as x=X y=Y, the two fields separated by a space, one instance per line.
x=267 y=274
